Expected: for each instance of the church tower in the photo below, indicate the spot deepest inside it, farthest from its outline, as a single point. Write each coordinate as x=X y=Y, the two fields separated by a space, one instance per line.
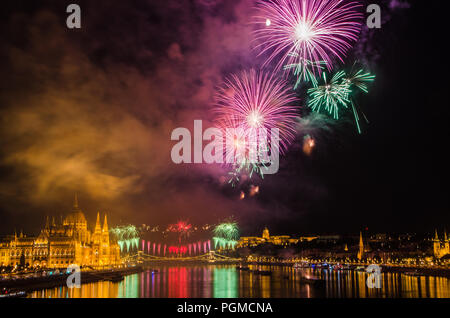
x=446 y=243
x=436 y=245
x=105 y=232
x=361 y=247
x=97 y=235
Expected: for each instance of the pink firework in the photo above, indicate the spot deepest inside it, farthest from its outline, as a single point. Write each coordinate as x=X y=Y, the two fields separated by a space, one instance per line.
x=253 y=100
x=307 y=30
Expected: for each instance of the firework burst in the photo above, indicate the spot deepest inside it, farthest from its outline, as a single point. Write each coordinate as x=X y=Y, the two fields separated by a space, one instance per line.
x=248 y=107
x=182 y=228
x=331 y=95
x=253 y=100
x=339 y=93
x=227 y=230
x=307 y=30
x=226 y=235
x=126 y=236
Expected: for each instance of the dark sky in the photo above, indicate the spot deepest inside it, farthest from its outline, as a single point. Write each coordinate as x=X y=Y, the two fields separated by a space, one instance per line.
x=91 y=111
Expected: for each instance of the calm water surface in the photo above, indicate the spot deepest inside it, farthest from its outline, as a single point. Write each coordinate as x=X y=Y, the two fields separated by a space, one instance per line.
x=224 y=281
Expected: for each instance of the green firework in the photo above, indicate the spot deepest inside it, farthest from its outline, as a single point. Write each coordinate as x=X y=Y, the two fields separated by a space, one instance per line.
x=331 y=96
x=305 y=70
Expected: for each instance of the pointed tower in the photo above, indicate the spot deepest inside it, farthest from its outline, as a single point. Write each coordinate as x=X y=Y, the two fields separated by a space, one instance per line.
x=47 y=224
x=436 y=245
x=105 y=226
x=97 y=235
x=446 y=243
x=105 y=232
x=75 y=202
x=361 y=247
x=98 y=228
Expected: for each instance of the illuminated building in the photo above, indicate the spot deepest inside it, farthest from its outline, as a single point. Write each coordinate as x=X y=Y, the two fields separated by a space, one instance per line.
x=249 y=241
x=59 y=245
x=361 y=247
x=440 y=249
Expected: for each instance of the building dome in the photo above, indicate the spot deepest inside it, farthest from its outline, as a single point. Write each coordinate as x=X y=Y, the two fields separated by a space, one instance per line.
x=76 y=218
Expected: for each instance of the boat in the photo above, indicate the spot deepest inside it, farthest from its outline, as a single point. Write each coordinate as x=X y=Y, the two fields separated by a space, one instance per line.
x=242 y=268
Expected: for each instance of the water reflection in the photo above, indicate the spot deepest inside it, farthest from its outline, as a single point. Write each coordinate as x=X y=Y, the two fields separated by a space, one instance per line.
x=227 y=282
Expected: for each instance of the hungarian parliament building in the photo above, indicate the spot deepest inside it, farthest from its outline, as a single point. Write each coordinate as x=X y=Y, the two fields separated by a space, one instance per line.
x=63 y=244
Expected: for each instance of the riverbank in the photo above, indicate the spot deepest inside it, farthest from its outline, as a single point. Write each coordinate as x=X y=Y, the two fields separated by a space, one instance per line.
x=416 y=270
x=37 y=283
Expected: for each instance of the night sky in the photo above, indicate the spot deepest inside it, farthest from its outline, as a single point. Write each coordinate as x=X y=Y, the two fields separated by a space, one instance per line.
x=91 y=111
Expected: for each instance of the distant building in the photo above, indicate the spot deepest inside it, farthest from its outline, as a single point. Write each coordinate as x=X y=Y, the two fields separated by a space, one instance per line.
x=59 y=245
x=249 y=241
x=361 y=247
x=441 y=248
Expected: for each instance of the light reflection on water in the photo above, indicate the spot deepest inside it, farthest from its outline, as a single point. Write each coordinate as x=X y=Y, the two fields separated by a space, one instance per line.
x=223 y=281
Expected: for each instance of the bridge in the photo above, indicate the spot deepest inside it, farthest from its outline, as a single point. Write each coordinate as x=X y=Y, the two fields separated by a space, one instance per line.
x=211 y=257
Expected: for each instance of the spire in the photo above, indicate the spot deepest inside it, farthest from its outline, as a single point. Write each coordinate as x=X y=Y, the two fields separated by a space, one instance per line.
x=98 y=228
x=445 y=235
x=105 y=226
x=75 y=202
x=47 y=223
x=361 y=246
x=436 y=237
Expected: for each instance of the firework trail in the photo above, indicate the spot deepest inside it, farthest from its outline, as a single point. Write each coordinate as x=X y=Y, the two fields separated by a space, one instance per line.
x=127 y=236
x=359 y=79
x=292 y=31
x=304 y=70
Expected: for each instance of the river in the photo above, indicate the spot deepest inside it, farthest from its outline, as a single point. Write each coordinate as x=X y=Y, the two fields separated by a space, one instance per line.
x=224 y=281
